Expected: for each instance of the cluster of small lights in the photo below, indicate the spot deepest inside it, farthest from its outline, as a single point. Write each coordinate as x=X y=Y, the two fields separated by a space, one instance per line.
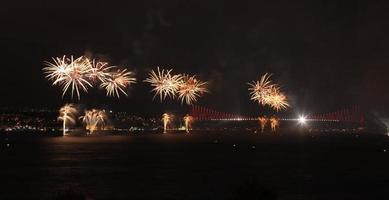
x=301 y=119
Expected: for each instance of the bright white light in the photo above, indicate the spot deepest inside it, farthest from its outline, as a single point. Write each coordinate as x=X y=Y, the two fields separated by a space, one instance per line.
x=302 y=120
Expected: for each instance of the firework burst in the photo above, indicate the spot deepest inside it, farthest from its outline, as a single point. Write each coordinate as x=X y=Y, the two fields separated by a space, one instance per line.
x=274 y=123
x=69 y=73
x=67 y=115
x=260 y=90
x=263 y=121
x=166 y=119
x=94 y=119
x=188 y=122
x=56 y=69
x=117 y=81
x=278 y=101
x=190 y=89
x=165 y=84
x=77 y=75
x=266 y=93
x=99 y=71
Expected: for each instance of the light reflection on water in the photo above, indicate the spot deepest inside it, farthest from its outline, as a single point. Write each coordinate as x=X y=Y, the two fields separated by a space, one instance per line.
x=190 y=166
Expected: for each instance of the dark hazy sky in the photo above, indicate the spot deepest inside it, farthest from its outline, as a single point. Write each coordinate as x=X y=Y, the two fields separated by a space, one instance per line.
x=325 y=54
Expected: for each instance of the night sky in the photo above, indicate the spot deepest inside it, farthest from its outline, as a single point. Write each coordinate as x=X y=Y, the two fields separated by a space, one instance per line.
x=326 y=55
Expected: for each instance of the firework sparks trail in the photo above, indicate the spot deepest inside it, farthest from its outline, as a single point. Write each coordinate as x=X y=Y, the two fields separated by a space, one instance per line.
x=263 y=121
x=166 y=119
x=99 y=71
x=278 y=101
x=266 y=93
x=56 y=69
x=67 y=114
x=164 y=83
x=117 y=81
x=188 y=122
x=69 y=73
x=76 y=76
x=259 y=90
x=80 y=74
x=274 y=123
x=190 y=89
x=94 y=119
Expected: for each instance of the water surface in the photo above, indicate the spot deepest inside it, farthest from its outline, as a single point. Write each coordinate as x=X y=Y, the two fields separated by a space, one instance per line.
x=198 y=166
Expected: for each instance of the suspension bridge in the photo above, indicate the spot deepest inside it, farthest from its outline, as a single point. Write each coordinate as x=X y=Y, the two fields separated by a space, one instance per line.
x=352 y=114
